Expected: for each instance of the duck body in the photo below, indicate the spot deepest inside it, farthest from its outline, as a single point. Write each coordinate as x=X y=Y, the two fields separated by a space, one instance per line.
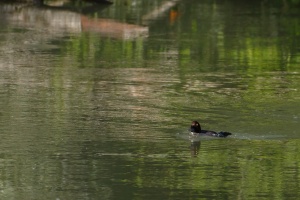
x=196 y=129
x=215 y=134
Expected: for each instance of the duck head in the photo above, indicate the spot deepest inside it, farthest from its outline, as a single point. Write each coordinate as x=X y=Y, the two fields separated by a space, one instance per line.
x=195 y=127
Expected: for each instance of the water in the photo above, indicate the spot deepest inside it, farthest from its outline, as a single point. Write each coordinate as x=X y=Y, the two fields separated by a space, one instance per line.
x=94 y=113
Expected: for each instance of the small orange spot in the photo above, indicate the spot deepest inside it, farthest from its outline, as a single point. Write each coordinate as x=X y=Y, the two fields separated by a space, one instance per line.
x=173 y=15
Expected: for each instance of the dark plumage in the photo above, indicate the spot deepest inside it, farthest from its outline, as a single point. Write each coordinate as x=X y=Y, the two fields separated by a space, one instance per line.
x=196 y=128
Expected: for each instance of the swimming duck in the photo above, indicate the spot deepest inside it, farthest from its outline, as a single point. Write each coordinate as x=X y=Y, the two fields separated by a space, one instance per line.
x=196 y=128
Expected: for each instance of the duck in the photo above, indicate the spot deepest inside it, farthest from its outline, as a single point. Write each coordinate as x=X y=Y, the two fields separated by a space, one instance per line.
x=196 y=129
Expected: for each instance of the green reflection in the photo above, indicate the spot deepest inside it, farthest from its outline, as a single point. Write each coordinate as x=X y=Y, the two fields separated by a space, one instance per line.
x=86 y=115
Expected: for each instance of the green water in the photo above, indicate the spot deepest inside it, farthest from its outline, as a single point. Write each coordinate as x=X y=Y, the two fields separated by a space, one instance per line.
x=92 y=114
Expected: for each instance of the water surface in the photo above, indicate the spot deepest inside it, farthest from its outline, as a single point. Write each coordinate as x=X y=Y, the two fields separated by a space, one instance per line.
x=93 y=114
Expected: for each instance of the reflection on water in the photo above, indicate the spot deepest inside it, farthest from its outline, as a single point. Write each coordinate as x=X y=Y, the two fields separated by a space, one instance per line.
x=64 y=19
x=92 y=115
x=195 y=148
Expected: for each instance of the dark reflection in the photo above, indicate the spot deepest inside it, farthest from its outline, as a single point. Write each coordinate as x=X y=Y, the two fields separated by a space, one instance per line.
x=38 y=2
x=195 y=148
x=95 y=2
x=85 y=7
x=195 y=143
x=99 y=1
